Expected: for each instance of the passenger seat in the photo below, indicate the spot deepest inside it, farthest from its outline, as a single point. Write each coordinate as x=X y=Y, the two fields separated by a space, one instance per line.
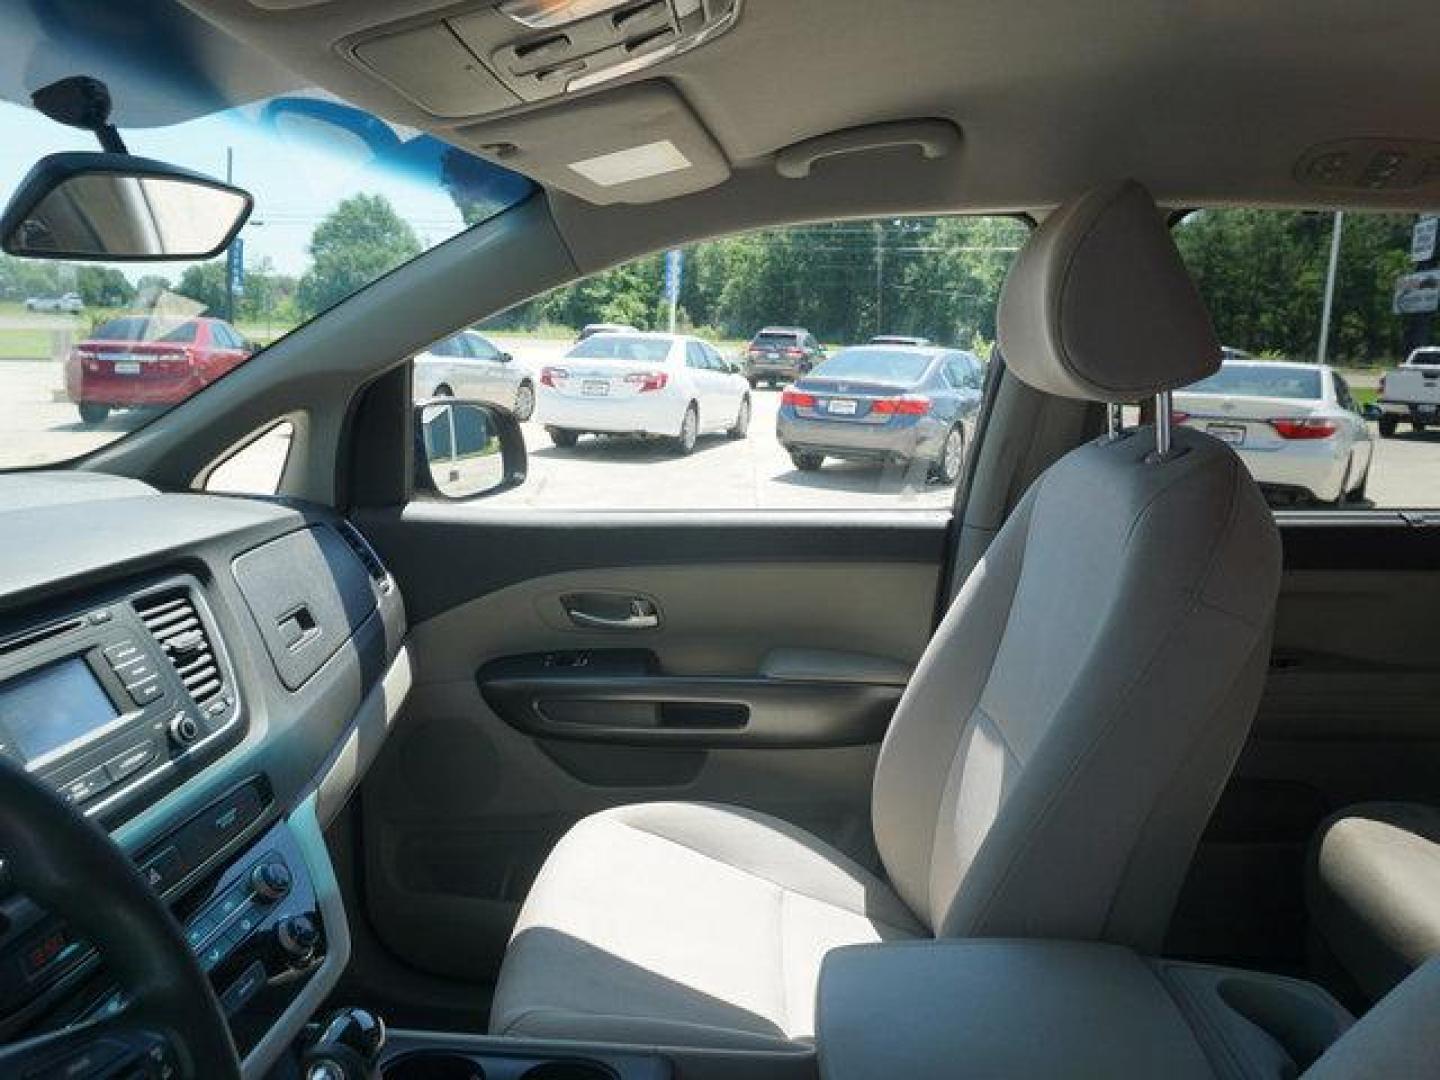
x=1373 y=891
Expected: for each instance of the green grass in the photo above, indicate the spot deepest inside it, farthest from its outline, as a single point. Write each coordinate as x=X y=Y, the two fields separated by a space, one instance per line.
x=26 y=345
x=1364 y=395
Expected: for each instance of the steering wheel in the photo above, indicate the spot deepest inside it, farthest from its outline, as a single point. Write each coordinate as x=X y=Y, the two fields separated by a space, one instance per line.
x=171 y=1021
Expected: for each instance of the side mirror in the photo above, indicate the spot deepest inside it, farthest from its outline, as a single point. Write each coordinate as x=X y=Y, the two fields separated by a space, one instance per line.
x=1372 y=411
x=467 y=449
x=505 y=358
x=116 y=207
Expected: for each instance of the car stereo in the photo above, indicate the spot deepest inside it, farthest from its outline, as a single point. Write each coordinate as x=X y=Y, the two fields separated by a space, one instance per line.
x=102 y=702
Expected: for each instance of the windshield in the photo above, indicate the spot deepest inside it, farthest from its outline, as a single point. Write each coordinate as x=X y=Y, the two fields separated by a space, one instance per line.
x=341 y=198
x=881 y=365
x=1260 y=380
x=646 y=350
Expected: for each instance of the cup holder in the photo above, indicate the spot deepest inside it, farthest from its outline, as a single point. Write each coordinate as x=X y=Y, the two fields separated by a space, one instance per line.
x=432 y=1065
x=569 y=1070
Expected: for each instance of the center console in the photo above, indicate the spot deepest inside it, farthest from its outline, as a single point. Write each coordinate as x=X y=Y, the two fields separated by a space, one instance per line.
x=1056 y=1008
x=239 y=883
x=117 y=703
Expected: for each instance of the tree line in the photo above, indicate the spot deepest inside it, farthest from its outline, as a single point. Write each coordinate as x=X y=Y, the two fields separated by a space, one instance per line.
x=1262 y=273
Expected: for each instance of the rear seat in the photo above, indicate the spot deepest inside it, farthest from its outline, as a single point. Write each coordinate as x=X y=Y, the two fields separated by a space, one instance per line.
x=1373 y=891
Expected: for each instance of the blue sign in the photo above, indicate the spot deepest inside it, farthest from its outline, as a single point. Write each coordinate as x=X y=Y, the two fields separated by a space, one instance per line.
x=674 y=270
x=235 y=266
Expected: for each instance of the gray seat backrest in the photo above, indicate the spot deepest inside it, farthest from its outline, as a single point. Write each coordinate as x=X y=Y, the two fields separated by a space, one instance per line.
x=1068 y=731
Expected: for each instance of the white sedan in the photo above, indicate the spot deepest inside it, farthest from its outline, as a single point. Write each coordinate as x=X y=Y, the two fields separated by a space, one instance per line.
x=643 y=384
x=1296 y=426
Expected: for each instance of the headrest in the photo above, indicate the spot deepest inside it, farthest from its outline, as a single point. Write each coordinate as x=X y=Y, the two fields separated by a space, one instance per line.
x=1099 y=305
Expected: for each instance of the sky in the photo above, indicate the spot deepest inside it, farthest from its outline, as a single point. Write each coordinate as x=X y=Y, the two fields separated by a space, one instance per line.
x=296 y=177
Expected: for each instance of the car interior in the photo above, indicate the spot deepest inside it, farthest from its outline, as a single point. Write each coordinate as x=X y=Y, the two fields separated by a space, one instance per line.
x=1096 y=764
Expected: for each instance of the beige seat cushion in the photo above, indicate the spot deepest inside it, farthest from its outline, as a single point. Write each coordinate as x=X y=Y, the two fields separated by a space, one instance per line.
x=686 y=924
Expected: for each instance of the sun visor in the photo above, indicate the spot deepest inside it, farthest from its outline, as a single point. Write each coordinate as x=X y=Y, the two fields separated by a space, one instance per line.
x=635 y=144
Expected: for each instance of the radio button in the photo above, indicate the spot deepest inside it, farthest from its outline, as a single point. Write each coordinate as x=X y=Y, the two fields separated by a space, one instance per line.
x=164 y=870
x=146 y=692
x=183 y=729
x=122 y=652
x=215 y=953
x=86 y=785
x=244 y=988
x=135 y=671
x=131 y=761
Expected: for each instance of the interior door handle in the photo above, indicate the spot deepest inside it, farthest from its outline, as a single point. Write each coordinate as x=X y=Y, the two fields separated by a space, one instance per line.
x=641 y=614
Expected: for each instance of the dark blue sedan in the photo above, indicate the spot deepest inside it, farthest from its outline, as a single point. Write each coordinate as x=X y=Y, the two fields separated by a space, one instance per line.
x=889 y=404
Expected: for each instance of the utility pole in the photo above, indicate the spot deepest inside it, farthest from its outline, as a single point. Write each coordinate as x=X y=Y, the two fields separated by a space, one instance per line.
x=1330 y=287
x=230 y=254
x=879 y=278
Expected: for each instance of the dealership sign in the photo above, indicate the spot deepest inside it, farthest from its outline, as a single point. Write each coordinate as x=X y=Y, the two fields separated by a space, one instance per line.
x=1417 y=294
x=1422 y=240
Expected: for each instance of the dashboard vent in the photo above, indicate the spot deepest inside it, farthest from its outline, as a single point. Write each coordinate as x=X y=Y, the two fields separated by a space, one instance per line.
x=366 y=554
x=174 y=622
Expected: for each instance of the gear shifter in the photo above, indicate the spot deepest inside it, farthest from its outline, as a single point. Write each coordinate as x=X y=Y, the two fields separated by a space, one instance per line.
x=347 y=1047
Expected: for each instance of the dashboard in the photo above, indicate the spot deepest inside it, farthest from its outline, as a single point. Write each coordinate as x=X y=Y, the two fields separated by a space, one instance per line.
x=206 y=678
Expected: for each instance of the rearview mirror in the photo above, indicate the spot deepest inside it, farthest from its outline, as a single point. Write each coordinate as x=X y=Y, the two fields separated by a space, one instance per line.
x=116 y=208
x=467 y=449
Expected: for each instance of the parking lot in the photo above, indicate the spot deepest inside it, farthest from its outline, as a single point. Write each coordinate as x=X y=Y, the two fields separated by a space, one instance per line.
x=37 y=424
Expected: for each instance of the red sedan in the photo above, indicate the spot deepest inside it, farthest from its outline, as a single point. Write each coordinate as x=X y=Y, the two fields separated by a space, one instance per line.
x=139 y=361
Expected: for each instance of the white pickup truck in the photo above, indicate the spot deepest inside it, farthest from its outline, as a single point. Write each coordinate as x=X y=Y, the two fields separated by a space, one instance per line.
x=1411 y=392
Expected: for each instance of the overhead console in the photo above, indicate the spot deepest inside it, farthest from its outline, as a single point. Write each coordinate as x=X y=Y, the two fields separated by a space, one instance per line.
x=495 y=56
x=500 y=70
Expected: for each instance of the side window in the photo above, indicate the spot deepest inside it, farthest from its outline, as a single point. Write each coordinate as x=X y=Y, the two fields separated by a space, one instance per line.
x=481 y=349
x=257 y=467
x=610 y=412
x=1310 y=302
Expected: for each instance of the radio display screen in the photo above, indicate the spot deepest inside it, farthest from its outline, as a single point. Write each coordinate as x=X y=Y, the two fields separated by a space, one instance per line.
x=53 y=706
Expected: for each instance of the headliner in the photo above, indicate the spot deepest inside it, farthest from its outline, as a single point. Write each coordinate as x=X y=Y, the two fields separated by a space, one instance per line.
x=1207 y=102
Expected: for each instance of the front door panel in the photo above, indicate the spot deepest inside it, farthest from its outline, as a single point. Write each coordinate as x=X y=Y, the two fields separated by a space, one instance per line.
x=779 y=647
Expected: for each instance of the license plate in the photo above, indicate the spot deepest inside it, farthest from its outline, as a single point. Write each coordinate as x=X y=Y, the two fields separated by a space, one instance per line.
x=1425 y=410
x=127 y=367
x=1233 y=434
x=772 y=356
x=842 y=406
x=595 y=388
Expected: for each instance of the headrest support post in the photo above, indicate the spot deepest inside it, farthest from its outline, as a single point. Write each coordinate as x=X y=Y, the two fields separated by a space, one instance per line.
x=1162 y=425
